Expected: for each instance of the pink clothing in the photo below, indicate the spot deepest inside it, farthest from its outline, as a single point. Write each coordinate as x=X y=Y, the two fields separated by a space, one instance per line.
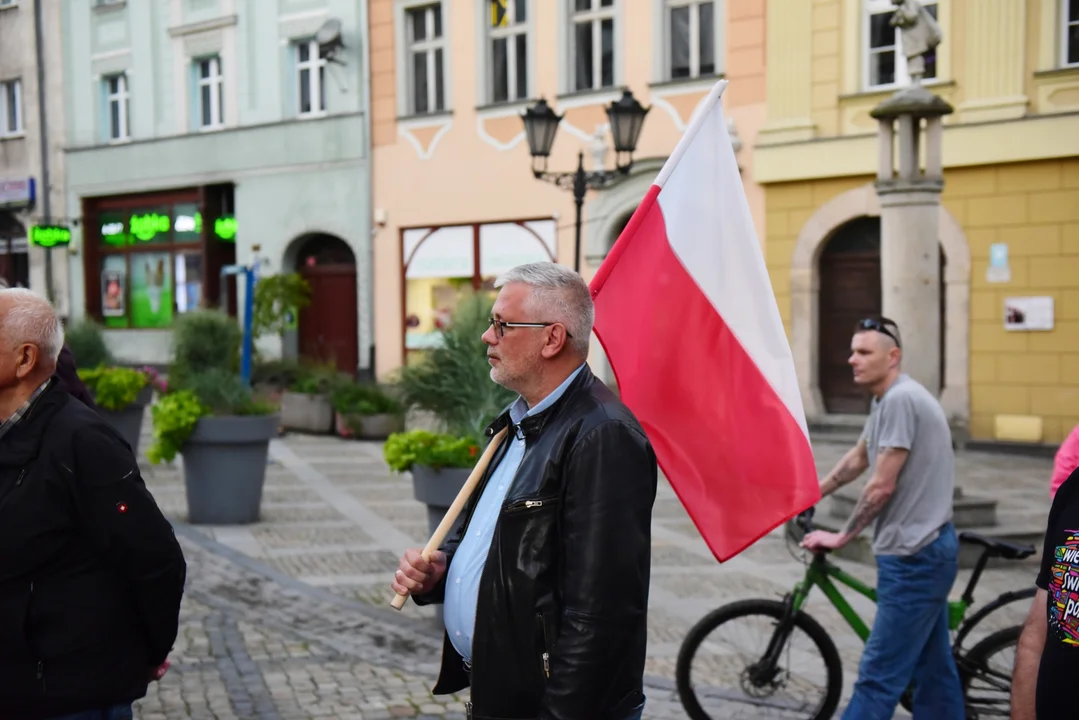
x=1067 y=459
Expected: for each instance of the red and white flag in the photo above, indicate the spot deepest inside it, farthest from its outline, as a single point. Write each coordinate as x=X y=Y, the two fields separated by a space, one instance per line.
x=686 y=314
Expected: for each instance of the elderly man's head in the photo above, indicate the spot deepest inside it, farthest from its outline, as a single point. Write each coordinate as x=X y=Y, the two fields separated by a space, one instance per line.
x=31 y=337
x=542 y=322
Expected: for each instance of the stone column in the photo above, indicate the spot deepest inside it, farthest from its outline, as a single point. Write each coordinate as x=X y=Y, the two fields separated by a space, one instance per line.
x=910 y=211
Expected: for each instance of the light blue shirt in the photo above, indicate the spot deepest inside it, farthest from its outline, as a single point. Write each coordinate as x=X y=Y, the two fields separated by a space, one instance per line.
x=463 y=577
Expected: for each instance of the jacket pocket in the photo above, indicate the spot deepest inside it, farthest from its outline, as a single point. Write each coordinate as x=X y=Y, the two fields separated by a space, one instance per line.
x=532 y=504
x=14 y=615
x=544 y=645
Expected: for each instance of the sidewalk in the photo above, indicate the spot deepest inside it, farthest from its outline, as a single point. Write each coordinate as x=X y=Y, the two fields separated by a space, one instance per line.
x=335 y=521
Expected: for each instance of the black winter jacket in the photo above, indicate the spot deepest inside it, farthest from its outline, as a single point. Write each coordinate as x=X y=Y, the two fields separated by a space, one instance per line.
x=91 y=574
x=561 y=627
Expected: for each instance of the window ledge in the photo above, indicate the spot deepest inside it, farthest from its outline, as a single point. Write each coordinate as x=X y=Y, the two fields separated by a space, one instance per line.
x=884 y=90
x=426 y=118
x=1063 y=71
x=701 y=82
x=588 y=97
x=110 y=7
x=21 y=135
x=12 y=6
x=513 y=107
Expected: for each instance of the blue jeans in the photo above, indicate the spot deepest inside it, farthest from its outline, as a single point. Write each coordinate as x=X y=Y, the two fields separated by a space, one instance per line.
x=910 y=639
x=114 y=712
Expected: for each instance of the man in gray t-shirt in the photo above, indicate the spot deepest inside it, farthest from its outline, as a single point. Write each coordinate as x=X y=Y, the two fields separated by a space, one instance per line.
x=907 y=446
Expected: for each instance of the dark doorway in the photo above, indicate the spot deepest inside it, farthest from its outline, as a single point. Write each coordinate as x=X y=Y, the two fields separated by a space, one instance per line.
x=850 y=290
x=14 y=252
x=327 y=329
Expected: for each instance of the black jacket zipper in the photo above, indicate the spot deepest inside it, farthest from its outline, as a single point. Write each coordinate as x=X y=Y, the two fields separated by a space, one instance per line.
x=545 y=656
x=530 y=504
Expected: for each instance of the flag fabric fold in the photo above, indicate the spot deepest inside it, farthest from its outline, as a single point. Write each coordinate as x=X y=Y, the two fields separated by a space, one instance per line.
x=686 y=315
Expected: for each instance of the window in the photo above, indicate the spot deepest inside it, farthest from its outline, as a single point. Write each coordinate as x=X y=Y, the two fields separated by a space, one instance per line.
x=311 y=65
x=211 y=104
x=426 y=49
x=507 y=51
x=592 y=44
x=691 y=38
x=1070 y=45
x=8 y=3
x=10 y=107
x=885 y=63
x=116 y=104
x=150 y=262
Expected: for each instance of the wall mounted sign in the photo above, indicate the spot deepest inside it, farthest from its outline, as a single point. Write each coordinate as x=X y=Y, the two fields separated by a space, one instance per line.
x=48 y=236
x=1028 y=313
x=17 y=194
x=999 y=271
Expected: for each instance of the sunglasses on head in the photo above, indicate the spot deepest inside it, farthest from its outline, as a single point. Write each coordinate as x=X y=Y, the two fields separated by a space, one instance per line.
x=881 y=326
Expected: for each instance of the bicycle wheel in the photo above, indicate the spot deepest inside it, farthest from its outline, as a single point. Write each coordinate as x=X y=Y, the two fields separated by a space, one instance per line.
x=986 y=674
x=737 y=680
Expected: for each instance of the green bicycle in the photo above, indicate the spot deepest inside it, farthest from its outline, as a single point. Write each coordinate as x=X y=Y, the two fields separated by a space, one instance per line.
x=758 y=682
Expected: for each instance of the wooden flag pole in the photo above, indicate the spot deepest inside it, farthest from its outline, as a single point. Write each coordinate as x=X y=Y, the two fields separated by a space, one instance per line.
x=455 y=509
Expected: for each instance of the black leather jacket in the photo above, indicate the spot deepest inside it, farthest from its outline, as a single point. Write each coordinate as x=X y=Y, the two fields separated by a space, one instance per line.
x=563 y=599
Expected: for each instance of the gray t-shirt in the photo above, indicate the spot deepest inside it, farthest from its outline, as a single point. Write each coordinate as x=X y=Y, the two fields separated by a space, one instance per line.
x=909 y=417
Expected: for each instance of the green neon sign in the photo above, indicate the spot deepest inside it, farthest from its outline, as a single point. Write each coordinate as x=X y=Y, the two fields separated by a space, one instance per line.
x=48 y=236
x=225 y=228
x=146 y=227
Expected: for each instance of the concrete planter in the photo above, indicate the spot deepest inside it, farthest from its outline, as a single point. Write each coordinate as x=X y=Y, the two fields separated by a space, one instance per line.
x=368 y=427
x=437 y=489
x=225 y=468
x=307 y=413
x=128 y=422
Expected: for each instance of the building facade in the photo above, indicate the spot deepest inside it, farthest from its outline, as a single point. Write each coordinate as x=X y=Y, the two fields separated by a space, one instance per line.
x=1009 y=223
x=31 y=181
x=455 y=200
x=209 y=133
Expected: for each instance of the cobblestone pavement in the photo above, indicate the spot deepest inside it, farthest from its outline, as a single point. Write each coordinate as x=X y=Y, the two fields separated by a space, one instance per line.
x=289 y=617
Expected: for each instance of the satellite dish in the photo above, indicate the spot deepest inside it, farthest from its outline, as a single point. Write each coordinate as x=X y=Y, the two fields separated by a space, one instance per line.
x=328 y=37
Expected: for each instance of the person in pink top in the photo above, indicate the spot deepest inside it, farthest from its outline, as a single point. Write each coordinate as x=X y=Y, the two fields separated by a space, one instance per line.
x=1067 y=459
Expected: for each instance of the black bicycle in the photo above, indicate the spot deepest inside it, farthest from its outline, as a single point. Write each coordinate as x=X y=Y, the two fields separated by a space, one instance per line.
x=768 y=681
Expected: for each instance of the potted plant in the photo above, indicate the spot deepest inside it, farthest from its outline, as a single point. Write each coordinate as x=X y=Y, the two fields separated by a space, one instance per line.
x=211 y=418
x=121 y=395
x=305 y=405
x=367 y=412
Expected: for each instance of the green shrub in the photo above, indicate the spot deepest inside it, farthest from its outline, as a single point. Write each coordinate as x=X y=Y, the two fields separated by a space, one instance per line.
x=357 y=399
x=202 y=341
x=86 y=341
x=436 y=450
x=113 y=388
x=174 y=418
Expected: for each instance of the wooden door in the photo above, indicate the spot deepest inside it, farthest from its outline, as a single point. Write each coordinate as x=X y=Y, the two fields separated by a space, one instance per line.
x=328 y=324
x=849 y=291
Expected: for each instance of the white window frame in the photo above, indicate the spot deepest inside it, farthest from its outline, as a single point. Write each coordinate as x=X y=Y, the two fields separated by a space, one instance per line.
x=595 y=16
x=1065 y=25
x=316 y=64
x=5 y=93
x=4 y=4
x=487 y=67
x=122 y=96
x=216 y=83
x=663 y=39
x=410 y=46
x=902 y=76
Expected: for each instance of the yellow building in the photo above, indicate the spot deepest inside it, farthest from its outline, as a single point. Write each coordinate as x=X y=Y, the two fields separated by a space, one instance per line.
x=1009 y=223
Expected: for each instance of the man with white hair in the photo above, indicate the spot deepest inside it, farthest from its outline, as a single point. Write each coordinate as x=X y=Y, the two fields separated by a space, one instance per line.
x=91 y=574
x=545 y=585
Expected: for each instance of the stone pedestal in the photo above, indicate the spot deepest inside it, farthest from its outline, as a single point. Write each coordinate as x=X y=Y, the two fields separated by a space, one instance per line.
x=910 y=211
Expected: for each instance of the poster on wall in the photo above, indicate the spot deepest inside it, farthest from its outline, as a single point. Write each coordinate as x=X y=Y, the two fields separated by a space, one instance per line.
x=151 y=290
x=112 y=292
x=1028 y=313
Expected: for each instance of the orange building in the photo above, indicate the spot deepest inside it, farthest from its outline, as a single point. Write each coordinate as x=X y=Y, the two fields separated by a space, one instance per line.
x=455 y=201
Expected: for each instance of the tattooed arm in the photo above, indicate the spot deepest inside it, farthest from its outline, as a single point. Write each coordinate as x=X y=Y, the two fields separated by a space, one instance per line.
x=877 y=491
x=847 y=470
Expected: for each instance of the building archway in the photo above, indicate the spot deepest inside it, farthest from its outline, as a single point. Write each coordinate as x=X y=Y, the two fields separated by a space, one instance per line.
x=806 y=282
x=328 y=325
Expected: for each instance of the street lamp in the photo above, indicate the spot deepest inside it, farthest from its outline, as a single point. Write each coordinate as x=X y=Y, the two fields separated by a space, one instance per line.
x=626 y=117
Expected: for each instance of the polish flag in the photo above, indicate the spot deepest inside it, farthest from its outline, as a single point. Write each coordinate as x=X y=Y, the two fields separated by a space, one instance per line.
x=687 y=317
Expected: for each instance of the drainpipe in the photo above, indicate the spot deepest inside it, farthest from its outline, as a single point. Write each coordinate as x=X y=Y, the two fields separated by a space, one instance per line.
x=365 y=84
x=46 y=209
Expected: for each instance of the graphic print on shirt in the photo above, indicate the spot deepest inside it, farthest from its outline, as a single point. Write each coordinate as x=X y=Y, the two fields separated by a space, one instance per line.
x=1064 y=591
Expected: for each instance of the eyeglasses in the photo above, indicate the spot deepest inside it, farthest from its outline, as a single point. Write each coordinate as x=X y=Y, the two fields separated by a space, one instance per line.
x=881 y=326
x=501 y=325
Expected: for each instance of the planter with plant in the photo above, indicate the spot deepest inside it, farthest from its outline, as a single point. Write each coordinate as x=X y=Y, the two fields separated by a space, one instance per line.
x=214 y=421
x=366 y=412
x=305 y=405
x=121 y=395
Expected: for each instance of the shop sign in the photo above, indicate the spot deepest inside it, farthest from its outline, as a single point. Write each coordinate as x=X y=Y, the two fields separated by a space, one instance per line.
x=17 y=194
x=48 y=236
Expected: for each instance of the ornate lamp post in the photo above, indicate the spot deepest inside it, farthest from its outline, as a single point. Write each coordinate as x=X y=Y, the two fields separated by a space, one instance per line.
x=626 y=116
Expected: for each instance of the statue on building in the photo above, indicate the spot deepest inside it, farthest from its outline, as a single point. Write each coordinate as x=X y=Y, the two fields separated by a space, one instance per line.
x=920 y=33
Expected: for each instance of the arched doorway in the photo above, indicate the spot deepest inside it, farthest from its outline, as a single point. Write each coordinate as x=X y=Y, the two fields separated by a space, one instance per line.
x=328 y=325
x=850 y=290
